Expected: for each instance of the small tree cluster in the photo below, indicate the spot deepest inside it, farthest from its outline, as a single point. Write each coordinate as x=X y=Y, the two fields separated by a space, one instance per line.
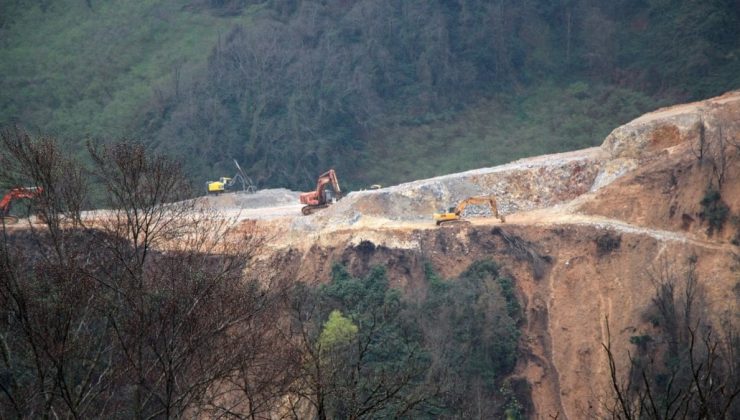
x=362 y=358
x=717 y=150
x=714 y=211
x=471 y=326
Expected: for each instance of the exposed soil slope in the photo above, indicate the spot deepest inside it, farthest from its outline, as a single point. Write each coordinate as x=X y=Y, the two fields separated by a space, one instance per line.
x=643 y=186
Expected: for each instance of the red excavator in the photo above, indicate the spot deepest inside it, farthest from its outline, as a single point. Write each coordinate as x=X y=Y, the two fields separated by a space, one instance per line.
x=16 y=194
x=322 y=196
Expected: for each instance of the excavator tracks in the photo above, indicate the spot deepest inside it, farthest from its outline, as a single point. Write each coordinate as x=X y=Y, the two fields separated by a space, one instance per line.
x=307 y=210
x=452 y=223
x=9 y=220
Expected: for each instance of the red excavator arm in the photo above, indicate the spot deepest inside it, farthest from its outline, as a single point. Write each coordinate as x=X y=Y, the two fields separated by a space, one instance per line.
x=16 y=194
x=320 y=197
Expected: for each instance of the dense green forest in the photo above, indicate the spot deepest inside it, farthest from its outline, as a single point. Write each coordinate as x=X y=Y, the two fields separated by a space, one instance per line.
x=375 y=353
x=383 y=90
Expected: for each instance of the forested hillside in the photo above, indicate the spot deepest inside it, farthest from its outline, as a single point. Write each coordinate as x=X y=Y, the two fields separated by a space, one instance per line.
x=382 y=90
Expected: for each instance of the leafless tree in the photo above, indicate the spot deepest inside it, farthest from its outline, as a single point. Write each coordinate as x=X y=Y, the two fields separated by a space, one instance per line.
x=39 y=162
x=715 y=149
x=55 y=347
x=183 y=315
x=699 y=149
x=139 y=311
x=720 y=157
x=692 y=376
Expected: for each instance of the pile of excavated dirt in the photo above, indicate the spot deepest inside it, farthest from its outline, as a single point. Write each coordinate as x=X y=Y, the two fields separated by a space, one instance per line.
x=240 y=200
x=547 y=181
x=262 y=205
x=526 y=184
x=670 y=172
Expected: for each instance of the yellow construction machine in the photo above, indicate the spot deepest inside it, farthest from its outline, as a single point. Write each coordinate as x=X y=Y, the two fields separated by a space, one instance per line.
x=225 y=184
x=215 y=187
x=455 y=213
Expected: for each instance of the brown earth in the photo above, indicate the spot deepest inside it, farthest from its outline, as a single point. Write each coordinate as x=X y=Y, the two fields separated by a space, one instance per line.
x=643 y=186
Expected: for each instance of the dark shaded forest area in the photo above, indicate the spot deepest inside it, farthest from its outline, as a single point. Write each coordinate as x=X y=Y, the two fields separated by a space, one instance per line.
x=385 y=90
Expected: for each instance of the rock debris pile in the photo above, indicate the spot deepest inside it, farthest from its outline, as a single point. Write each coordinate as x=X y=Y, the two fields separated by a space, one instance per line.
x=522 y=185
x=238 y=200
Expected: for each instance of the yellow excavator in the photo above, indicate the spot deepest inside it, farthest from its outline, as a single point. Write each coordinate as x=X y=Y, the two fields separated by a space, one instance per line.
x=455 y=213
x=225 y=184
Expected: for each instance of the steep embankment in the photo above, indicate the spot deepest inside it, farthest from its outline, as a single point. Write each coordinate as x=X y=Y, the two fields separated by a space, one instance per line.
x=584 y=232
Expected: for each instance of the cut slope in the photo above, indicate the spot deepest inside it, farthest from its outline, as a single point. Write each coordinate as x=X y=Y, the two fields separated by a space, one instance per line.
x=634 y=189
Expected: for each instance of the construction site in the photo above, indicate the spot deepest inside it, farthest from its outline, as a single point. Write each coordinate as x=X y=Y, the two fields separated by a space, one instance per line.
x=578 y=230
x=643 y=185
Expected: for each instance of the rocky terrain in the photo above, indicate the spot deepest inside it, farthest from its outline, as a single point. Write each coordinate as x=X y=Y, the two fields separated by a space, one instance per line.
x=640 y=191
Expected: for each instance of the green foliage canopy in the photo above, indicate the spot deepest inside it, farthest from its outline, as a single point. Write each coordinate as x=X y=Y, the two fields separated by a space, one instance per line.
x=290 y=88
x=382 y=354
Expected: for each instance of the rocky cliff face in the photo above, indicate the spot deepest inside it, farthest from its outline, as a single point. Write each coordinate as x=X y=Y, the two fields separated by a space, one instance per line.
x=641 y=190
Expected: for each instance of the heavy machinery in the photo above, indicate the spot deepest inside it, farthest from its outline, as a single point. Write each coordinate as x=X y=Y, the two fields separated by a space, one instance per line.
x=322 y=196
x=225 y=184
x=16 y=193
x=455 y=213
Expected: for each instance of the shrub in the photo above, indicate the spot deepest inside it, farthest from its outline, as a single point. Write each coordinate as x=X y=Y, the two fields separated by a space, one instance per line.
x=641 y=341
x=607 y=243
x=714 y=210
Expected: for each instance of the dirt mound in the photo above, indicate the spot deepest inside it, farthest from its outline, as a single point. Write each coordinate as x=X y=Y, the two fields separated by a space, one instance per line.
x=522 y=185
x=676 y=156
x=664 y=137
x=241 y=200
x=677 y=125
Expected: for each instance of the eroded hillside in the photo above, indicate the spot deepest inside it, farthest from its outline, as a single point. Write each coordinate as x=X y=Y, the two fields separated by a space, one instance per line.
x=585 y=232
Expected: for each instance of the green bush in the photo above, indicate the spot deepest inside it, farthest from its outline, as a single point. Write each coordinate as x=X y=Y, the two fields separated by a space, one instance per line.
x=608 y=243
x=714 y=210
x=453 y=350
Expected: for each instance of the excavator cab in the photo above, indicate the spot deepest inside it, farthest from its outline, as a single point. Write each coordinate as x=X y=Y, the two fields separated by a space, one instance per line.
x=330 y=196
x=215 y=187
